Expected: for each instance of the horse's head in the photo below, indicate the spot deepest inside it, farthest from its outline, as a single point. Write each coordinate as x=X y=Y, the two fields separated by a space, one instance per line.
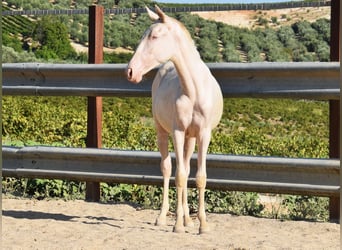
x=157 y=46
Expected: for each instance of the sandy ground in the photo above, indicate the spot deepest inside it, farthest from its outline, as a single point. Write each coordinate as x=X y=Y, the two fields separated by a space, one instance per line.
x=56 y=224
x=80 y=48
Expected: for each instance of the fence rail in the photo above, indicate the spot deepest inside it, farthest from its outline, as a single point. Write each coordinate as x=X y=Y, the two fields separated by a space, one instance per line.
x=245 y=173
x=312 y=80
x=225 y=172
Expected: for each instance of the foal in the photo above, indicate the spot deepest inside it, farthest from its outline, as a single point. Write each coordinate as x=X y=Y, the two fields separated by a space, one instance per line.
x=186 y=103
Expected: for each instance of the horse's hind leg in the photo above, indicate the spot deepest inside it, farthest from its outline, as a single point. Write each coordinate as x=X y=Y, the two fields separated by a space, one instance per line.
x=166 y=168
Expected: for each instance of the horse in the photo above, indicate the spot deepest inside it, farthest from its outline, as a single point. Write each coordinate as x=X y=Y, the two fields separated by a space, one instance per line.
x=187 y=104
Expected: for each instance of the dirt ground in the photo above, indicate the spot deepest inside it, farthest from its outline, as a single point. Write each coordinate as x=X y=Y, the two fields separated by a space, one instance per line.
x=249 y=18
x=56 y=224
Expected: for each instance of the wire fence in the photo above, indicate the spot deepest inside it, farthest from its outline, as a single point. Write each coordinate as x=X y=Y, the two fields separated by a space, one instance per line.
x=194 y=8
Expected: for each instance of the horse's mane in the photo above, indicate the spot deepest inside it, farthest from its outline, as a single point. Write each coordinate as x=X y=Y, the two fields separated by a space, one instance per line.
x=186 y=32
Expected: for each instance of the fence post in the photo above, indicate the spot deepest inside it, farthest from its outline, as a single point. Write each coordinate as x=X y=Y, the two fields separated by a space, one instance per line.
x=340 y=46
x=94 y=122
x=334 y=105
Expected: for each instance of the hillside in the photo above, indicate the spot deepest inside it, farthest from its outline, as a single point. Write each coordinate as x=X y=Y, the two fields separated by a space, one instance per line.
x=299 y=34
x=248 y=19
x=251 y=19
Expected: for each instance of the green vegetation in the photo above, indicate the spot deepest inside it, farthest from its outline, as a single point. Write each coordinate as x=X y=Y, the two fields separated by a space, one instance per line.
x=52 y=36
x=249 y=126
x=217 y=42
x=288 y=128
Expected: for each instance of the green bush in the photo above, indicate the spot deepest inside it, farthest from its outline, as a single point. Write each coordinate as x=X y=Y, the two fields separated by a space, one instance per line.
x=306 y=208
x=45 y=120
x=285 y=128
x=230 y=54
x=43 y=188
x=117 y=57
x=9 y=55
x=12 y=42
x=53 y=36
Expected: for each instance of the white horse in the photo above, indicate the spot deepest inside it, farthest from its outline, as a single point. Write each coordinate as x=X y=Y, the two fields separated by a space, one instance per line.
x=186 y=103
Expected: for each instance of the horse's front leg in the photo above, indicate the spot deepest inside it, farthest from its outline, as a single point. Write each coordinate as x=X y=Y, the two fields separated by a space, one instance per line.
x=201 y=176
x=166 y=168
x=189 y=147
x=180 y=180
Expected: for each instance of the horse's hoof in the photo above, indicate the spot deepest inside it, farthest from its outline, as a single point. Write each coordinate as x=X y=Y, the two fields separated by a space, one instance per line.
x=178 y=229
x=204 y=230
x=188 y=222
x=160 y=221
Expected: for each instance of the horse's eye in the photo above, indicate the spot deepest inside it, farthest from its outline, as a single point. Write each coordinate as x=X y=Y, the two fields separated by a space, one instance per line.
x=153 y=37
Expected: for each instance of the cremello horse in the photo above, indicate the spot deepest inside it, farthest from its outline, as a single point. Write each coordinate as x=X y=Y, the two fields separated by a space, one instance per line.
x=186 y=103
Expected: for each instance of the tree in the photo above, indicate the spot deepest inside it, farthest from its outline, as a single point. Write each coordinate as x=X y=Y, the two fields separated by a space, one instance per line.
x=323 y=28
x=307 y=35
x=53 y=38
x=229 y=35
x=230 y=54
x=11 y=41
x=273 y=48
x=249 y=44
x=208 y=50
x=287 y=36
x=323 y=51
x=191 y=22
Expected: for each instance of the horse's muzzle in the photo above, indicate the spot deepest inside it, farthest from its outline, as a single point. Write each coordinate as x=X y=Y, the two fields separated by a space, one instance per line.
x=131 y=77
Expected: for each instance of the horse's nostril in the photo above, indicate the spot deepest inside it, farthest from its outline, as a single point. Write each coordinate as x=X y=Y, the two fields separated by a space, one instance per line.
x=129 y=73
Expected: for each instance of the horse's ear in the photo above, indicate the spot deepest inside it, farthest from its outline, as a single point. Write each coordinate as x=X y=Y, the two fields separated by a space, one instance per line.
x=153 y=16
x=161 y=14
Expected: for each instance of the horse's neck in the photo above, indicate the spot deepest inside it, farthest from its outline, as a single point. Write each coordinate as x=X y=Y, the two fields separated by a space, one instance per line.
x=190 y=68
